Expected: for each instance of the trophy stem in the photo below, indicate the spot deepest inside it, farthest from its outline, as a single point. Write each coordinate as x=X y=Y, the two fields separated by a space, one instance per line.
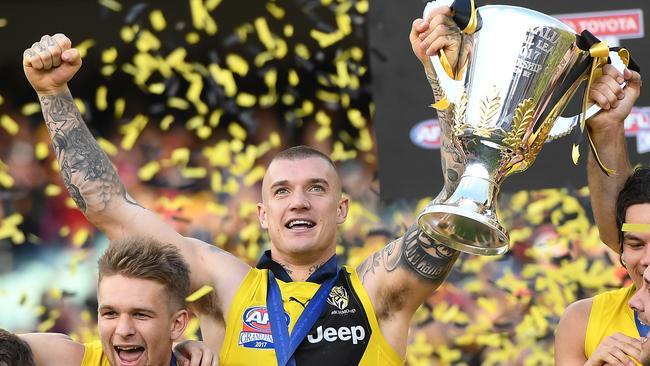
x=467 y=220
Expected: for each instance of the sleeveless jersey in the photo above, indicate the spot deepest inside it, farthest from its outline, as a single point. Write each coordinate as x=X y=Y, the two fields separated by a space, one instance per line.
x=346 y=333
x=610 y=313
x=94 y=355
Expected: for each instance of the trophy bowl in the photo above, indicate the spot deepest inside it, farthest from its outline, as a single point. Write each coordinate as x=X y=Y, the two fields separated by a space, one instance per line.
x=514 y=78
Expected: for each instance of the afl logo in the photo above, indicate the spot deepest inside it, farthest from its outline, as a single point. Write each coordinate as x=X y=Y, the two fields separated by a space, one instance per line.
x=426 y=134
x=256 y=319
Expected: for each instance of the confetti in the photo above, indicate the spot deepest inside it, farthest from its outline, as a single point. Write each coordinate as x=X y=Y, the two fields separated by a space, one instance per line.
x=204 y=290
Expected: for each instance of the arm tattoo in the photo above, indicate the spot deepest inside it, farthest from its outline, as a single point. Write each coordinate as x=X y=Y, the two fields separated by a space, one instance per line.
x=420 y=255
x=87 y=172
x=369 y=265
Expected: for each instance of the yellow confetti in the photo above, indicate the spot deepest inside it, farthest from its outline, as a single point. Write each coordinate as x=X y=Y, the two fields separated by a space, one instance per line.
x=157 y=88
x=204 y=290
x=215 y=117
x=293 y=77
x=192 y=38
x=166 y=122
x=81 y=106
x=64 y=231
x=275 y=140
x=52 y=190
x=180 y=156
x=638 y=228
x=204 y=132
x=178 y=103
x=48 y=323
x=30 y=109
x=219 y=155
x=365 y=140
x=575 y=154
x=275 y=10
x=147 y=41
x=194 y=172
x=201 y=18
x=237 y=131
x=109 y=55
x=326 y=39
x=223 y=78
x=2 y=100
x=41 y=150
x=9 y=124
x=69 y=203
x=128 y=33
x=288 y=30
x=107 y=146
x=113 y=5
x=120 y=104
x=302 y=51
x=326 y=96
x=3 y=23
x=323 y=133
x=157 y=20
x=246 y=100
x=323 y=119
x=362 y=6
x=254 y=176
x=264 y=33
x=80 y=237
x=100 y=98
x=132 y=130
x=356 y=118
x=148 y=171
x=84 y=46
x=237 y=64
x=9 y=227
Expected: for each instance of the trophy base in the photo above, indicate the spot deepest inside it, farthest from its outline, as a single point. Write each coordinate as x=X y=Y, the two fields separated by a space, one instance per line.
x=464 y=230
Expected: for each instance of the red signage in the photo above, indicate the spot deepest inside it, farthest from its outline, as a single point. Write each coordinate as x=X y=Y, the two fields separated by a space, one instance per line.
x=620 y=23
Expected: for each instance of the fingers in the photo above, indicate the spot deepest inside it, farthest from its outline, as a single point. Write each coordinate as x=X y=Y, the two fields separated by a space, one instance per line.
x=48 y=52
x=443 y=36
x=606 y=91
x=443 y=10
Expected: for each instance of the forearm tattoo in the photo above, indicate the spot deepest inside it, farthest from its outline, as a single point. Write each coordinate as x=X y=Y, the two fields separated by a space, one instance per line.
x=87 y=172
x=416 y=253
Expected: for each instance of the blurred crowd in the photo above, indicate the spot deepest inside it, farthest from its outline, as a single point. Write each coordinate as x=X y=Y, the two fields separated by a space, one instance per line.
x=191 y=132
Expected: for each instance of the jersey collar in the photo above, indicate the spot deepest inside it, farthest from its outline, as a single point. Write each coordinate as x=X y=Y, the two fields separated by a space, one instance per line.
x=327 y=270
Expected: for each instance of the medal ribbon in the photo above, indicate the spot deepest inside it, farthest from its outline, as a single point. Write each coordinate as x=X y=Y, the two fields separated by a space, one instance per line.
x=285 y=346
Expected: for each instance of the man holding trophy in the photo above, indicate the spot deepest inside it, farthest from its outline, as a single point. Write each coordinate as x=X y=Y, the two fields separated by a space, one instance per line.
x=498 y=100
x=343 y=315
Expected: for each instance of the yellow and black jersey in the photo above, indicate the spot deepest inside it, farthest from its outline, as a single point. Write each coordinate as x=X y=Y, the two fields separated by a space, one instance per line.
x=346 y=332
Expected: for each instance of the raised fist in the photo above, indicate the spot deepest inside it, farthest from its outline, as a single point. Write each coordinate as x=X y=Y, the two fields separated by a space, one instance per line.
x=50 y=63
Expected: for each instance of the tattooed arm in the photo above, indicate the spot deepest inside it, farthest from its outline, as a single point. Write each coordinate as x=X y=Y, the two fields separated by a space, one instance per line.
x=400 y=277
x=92 y=181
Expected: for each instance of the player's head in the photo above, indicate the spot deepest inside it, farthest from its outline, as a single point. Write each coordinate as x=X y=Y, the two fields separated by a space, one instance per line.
x=14 y=351
x=141 y=297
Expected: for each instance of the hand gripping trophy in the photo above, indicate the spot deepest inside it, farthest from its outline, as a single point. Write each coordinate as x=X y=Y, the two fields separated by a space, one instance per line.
x=516 y=71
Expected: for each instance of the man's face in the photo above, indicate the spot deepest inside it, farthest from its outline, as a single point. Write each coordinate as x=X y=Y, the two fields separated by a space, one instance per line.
x=301 y=207
x=136 y=325
x=641 y=299
x=636 y=251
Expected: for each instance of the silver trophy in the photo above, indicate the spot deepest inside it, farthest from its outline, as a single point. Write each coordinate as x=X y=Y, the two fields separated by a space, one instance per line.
x=513 y=79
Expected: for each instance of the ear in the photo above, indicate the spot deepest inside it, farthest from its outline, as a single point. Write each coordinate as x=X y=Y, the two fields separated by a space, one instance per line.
x=179 y=323
x=261 y=215
x=342 y=209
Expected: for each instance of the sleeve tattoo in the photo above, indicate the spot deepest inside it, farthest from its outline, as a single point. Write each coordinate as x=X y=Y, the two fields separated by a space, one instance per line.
x=87 y=172
x=414 y=252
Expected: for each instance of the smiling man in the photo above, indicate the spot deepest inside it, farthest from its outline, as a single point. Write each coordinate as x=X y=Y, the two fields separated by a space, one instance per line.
x=141 y=311
x=298 y=306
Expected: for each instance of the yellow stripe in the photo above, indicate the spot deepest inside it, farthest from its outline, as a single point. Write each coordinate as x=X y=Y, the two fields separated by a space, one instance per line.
x=199 y=293
x=638 y=228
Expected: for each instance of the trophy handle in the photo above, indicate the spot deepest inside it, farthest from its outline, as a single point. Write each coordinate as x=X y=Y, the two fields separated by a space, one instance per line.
x=444 y=80
x=563 y=126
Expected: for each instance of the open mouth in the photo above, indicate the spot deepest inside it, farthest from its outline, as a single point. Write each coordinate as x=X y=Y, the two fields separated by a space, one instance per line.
x=129 y=355
x=300 y=224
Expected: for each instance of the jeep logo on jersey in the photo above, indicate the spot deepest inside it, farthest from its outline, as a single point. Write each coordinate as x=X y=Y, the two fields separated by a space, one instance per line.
x=426 y=134
x=338 y=297
x=256 y=328
x=355 y=334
